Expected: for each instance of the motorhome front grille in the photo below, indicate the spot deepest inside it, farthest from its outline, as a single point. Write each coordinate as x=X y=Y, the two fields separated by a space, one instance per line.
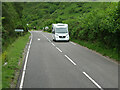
x=61 y=36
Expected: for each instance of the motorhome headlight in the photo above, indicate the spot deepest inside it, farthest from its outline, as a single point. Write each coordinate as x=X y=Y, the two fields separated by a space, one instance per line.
x=67 y=35
x=56 y=35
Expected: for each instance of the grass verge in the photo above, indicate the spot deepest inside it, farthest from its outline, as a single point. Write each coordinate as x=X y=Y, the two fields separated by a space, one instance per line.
x=46 y=31
x=111 y=53
x=13 y=56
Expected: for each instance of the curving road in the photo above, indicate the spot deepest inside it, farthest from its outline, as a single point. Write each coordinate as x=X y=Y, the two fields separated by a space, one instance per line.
x=65 y=65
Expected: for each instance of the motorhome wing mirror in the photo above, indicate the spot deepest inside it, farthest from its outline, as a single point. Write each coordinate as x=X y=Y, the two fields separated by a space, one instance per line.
x=53 y=32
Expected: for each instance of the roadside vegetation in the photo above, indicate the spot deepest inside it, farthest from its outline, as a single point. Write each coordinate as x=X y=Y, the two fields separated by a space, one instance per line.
x=95 y=25
x=94 y=22
x=13 y=57
x=11 y=19
x=13 y=43
x=111 y=53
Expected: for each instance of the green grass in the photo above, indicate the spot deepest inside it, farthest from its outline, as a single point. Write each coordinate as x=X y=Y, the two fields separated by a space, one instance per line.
x=46 y=31
x=14 y=55
x=111 y=53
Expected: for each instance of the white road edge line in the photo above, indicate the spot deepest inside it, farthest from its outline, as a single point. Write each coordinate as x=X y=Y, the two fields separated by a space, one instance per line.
x=25 y=64
x=73 y=43
x=70 y=59
x=93 y=81
x=58 y=49
x=53 y=44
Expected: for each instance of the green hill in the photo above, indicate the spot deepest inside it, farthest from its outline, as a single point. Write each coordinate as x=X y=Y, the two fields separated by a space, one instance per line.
x=90 y=21
x=94 y=22
x=95 y=25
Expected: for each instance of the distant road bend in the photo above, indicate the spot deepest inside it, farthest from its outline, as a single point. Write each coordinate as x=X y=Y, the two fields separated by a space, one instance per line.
x=50 y=64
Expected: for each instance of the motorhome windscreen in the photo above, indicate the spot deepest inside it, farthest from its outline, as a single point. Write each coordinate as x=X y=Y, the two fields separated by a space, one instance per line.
x=61 y=30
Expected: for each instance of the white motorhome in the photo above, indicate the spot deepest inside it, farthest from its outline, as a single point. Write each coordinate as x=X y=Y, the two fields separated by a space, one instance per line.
x=60 y=32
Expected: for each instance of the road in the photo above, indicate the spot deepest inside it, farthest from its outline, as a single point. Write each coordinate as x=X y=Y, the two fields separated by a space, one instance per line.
x=52 y=64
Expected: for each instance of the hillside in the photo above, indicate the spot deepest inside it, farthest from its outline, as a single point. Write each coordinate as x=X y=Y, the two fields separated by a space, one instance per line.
x=95 y=25
x=11 y=19
x=94 y=21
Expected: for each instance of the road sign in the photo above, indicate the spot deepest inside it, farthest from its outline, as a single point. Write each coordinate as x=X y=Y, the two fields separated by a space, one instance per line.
x=19 y=30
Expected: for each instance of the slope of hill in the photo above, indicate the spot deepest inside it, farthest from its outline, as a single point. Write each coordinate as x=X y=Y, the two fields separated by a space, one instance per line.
x=92 y=24
x=97 y=22
x=11 y=19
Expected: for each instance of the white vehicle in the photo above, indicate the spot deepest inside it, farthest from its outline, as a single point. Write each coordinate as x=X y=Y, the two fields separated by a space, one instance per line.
x=60 y=32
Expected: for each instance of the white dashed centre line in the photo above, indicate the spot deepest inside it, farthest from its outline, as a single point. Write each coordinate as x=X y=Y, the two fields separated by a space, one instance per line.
x=49 y=40
x=53 y=44
x=70 y=59
x=38 y=39
x=92 y=80
x=58 y=49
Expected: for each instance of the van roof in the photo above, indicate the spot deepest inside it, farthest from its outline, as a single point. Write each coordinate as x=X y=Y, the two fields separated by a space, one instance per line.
x=60 y=25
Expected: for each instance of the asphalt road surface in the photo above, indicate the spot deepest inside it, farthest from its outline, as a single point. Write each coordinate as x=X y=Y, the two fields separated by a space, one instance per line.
x=52 y=64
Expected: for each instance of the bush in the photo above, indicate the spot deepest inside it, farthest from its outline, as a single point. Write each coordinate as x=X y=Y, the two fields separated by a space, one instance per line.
x=4 y=57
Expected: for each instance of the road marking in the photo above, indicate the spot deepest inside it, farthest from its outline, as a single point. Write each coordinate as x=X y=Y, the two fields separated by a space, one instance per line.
x=25 y=64
x=93 y=81
x=53 y=44
x=38 y=39
x=73 y=43
x=49 y=40
x=58 y=49
x=43 y=35
x=69 y=59
x=22 y=80
x=52 y=36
